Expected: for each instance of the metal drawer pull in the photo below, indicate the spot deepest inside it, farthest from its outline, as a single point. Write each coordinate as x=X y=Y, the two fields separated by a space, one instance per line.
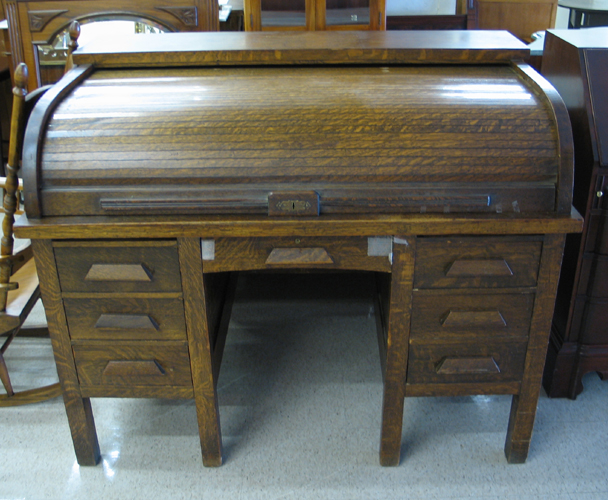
x=118 y=272
x=126 y=321
x=454 y=366
x=315 y=255
x=479 y=267
x=129 y=368
x=463 y=319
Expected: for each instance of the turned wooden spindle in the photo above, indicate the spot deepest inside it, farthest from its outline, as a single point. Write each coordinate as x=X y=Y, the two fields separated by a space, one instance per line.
x=74 y=32
x=12 y=183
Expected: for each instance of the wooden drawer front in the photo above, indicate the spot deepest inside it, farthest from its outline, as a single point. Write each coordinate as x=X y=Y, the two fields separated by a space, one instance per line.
x=476 y=262
x=438 y=317
x=133 y=364
x=470 y=362
x=233 y=254
x=118 y=267
x=126 y=319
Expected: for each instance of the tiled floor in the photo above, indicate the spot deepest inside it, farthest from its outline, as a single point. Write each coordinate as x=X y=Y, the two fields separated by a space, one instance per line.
x=300 y=394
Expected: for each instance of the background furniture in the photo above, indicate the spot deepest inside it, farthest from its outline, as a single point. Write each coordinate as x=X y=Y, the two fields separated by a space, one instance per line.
x=520 y=17
x=321 y=151
x=464 y=18
x=19 y=288
x=576 y=63
x=314 y=15
x=36 y=23
x=586 y=13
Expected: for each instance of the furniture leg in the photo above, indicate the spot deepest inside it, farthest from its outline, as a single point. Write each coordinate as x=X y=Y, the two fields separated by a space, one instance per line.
x=398 y=326
x=78 y=409
x=523 y=407
x=197 y=326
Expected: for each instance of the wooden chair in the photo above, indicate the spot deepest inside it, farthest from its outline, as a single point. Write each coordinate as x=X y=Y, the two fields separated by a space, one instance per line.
x=19 y=289
x=465 y=18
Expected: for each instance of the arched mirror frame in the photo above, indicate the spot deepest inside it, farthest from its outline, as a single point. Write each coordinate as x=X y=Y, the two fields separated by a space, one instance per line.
x=32 y=23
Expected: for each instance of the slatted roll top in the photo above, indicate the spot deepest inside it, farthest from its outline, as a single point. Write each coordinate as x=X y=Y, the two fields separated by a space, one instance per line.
x=392 y=138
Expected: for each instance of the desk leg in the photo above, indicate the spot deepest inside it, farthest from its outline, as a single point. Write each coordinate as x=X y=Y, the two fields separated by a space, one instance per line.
x=199 y=345
x=523 y=408
x=78 y=409
x=398 y=332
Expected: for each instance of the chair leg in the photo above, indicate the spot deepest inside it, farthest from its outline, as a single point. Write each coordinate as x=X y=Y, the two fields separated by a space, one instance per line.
x=6 y=381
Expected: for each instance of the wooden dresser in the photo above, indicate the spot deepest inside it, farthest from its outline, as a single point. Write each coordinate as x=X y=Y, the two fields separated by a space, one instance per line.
x=576 y=63
x=154 y=174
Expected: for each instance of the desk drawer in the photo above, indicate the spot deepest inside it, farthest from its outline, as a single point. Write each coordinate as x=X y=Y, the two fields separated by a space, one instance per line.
x=118 y=266
x=125 y=319
x=440 y=316
x=133 y=364
x=234 y=254
x=477 y=262
x=471 y=362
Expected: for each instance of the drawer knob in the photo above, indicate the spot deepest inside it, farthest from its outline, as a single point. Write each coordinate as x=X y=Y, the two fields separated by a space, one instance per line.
x=472 y=319
x=454 y=366
x=126 y=321
x=133 y=368
x=118 y=272
x=288 y=256
x=479 y=267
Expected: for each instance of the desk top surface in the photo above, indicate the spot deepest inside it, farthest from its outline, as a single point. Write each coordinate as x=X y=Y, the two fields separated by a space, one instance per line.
x=328 y=47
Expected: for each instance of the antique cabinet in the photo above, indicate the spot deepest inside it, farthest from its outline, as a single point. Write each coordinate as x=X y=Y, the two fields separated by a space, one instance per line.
x=157 y=171
x=34 y=24
x=314 y=15
x=576 y=63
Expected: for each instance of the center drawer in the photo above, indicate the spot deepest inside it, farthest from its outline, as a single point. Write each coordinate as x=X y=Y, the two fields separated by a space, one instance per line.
x=350 y=253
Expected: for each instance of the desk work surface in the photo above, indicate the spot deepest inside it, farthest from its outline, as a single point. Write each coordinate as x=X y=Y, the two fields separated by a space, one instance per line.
x=148 y=190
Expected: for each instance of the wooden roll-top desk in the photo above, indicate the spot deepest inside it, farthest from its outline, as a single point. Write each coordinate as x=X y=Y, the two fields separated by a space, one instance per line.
x=155 y=173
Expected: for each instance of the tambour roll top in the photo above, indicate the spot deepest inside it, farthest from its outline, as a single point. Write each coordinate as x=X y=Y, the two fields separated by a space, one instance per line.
x=393 y=129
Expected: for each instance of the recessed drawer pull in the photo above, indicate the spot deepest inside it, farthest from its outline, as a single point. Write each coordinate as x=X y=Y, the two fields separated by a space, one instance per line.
x=452 y=366
x=479 y=267
x=118 y=272
x=129 y=368
x=126 y=321
x=463 y=319
x=314 y=255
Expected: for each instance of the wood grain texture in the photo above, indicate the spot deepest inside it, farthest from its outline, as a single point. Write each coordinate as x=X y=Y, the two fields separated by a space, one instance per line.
x=437 y=257
x=199 y=345
x=78 y=408
x=232 y=254
x=423 y=139
x=472 y=314
x=425 y=362
x=523 y=408
x=118 y=268
x=197 y=49
x=397 y=335
x=125 y=318
x=133 y=363
x=231 y=226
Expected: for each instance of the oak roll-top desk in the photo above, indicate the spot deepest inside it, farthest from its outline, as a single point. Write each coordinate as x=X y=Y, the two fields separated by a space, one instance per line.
x=155 y=173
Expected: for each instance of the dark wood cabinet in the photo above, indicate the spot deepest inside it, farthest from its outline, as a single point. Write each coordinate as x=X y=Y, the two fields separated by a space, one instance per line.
x=576 y=63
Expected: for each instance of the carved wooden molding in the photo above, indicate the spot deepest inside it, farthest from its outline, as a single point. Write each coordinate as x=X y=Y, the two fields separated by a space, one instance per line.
x=40 y=18
x=187 y=15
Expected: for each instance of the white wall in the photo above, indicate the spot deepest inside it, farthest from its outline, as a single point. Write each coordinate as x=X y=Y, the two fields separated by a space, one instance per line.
x=419 y=7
